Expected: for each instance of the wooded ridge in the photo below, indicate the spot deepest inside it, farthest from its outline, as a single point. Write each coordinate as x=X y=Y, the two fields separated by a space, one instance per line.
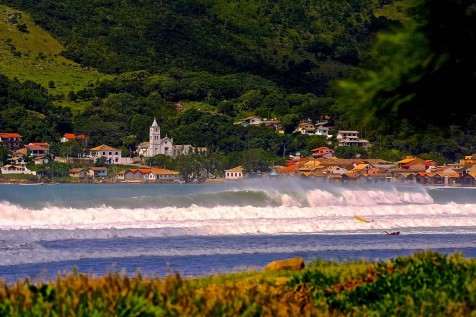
x=224 y=60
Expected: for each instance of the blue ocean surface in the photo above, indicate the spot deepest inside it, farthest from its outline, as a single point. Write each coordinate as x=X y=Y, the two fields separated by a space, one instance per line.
x=203 y=229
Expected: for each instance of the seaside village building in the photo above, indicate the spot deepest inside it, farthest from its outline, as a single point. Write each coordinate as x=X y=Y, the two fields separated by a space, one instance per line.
x=234 y=173
x=351 y=138
x=164 y=146
x=112 y=155
x=12 y=141
x=149 y=174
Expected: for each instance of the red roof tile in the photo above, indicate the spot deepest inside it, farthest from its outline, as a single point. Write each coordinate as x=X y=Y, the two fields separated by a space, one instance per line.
x=10 y=135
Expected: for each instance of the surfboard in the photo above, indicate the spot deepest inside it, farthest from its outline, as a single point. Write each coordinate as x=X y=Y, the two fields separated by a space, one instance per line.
x=361 y=219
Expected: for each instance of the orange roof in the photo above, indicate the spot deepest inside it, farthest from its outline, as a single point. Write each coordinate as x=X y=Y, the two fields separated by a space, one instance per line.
x=44 y=144
x=235 y=169
x=320 y=148
x=76 y=170
x=103 y=147
x=10 y=135
x=290 y=168
x=98 y=168
x=34 y=147
x=69 y=136
x=23 y=151
x=162 y=171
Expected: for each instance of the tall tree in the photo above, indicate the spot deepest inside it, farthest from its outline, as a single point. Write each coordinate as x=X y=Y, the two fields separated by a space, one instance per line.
x=424 y=72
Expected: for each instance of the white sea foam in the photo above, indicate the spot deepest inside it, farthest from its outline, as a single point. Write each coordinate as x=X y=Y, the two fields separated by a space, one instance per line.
x=231 y=220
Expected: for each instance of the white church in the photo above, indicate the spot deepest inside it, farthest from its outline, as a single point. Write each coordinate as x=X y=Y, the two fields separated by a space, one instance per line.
x=164 y=146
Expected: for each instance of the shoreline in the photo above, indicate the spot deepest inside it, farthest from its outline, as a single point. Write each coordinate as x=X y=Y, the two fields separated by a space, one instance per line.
x=6 y=181
x=13 y=181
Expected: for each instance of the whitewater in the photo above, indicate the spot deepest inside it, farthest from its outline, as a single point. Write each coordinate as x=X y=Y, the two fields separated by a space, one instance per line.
x=207 y=228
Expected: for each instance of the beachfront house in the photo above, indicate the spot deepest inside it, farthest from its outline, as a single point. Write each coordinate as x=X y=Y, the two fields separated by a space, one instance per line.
x=78 y=173
x=234 y=173
x=97 y=172
x=16 y=169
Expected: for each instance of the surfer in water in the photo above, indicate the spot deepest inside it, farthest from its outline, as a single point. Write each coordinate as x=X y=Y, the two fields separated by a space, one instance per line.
x=395 y=233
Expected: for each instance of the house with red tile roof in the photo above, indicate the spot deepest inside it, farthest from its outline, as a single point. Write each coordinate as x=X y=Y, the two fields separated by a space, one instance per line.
x=322 y=152
x=36 y=150
x=162 y=175
x=12 y=141
x=42 y=144
x=131 y=175
x=68 y=137
x=72 y=137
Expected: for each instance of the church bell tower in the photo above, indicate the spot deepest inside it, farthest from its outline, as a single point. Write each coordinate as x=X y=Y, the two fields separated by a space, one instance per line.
x=154 y=139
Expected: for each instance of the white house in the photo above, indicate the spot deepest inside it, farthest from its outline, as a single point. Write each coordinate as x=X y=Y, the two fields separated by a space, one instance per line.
x=163 y=175
x=252 y=121
x=336 y=170
x=39 y=160
x=16 y=169
x=234 y=173
x=322 y=131
x=112 y=155
x=351 y=138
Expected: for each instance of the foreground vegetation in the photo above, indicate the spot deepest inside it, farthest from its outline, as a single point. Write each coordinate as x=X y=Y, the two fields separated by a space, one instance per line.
x=423 y=284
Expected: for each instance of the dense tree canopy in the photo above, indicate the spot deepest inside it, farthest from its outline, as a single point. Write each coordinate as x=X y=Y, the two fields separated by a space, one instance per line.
x=408 y=90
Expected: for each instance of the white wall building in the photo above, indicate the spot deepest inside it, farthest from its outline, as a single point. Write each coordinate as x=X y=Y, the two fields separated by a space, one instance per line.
x=351 y=138
x=234 y=173
x=16 y=169
x=112 y=155
x=165 y=146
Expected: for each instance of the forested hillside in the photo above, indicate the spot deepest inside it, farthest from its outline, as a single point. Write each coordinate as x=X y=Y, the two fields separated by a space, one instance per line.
x=299 y=44
x=224 y=60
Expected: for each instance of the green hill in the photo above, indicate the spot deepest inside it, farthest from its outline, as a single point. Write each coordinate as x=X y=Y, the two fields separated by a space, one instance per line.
x=301 y=46
x=30 y=53
x=274 y=59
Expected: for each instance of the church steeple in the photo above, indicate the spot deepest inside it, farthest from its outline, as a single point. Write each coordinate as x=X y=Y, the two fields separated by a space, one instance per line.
x=154 y=139
x=154 y=127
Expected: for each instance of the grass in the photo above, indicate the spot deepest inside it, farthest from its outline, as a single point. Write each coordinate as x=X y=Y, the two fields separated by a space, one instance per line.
x=423 y=284
x=35 y=55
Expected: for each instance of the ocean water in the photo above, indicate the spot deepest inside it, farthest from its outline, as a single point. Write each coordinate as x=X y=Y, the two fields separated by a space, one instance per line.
x=202 y=229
